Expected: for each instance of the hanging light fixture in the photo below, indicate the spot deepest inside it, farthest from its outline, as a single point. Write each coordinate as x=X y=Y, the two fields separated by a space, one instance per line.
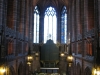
x=29 y=57
x=2 y=52
x=2 y=47
x=62 y=54
x=2 y=70
x=69 y=56
x=96 y=67
x=37 y=55
x=96 y=71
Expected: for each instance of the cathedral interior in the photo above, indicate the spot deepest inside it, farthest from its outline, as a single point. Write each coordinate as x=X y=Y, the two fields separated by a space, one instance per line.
x=49 y=37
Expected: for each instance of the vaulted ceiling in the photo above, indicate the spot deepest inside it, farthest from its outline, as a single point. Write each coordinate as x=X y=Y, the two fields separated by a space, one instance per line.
x=56 y=3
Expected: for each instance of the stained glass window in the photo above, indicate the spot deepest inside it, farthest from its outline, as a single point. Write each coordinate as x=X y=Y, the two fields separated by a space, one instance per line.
x=50 y=24
x=36 y=25
x=64 y=25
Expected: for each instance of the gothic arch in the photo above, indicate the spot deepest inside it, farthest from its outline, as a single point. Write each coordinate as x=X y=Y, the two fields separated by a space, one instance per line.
x=10 y=46
x=87 y=71
x=73 y=69
x=78 y=72
x=90 y=14
x=10 y=16
x=10 y=70
x=20 y=69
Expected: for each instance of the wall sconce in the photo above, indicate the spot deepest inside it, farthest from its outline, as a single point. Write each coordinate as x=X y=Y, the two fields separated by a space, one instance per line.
x=29 y=57
x=96 y=71
x=70 y=60
x=96 y=67
x=69 y=57
x=2 y=70
x=37 y=55
x=62 y=54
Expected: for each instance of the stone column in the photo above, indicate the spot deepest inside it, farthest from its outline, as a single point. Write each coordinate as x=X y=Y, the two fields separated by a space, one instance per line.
x=1 y=13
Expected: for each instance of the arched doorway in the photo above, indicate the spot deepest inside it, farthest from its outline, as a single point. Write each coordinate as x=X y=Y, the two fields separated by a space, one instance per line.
x=87 y=71
x=78 y=72
x=20 y=69
x=10 y=71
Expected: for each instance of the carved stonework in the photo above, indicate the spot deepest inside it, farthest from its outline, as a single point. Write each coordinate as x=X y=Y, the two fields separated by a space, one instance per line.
x=58 y=44
x=89 y=33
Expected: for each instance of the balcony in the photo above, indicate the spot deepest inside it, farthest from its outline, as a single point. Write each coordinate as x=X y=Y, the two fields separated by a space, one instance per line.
x=14 y=34
x=10 y=32
x=89 y=33
x=79 y=36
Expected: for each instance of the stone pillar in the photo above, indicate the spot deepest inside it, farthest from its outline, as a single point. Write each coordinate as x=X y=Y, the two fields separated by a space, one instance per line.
x=41 y=35
x=1 y=13
x=85 y=15
x=83 y=42
x=99 y=12
x=73 y=21
x=78 y=16
x=23 y=23
x=58 y=26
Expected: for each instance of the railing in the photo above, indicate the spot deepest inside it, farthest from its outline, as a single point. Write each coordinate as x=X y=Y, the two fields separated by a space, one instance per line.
x=79 y=36
x=10 y=57
x=99 y=29
x=86 y=34
x=89 y=33
x=0 y=28
x=73 y=39
x=26 y=38
x=14 y=34
x=10 y=32
x=20 y=36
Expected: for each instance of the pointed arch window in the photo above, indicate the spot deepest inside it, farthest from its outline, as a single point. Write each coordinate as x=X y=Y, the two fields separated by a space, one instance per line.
x=36 y=25
x=64 y=25
x=50 y=24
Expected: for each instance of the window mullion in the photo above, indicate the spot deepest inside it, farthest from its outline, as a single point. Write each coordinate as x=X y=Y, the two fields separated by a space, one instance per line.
x=36 y=25
x=52 y=28
x=50 y=13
